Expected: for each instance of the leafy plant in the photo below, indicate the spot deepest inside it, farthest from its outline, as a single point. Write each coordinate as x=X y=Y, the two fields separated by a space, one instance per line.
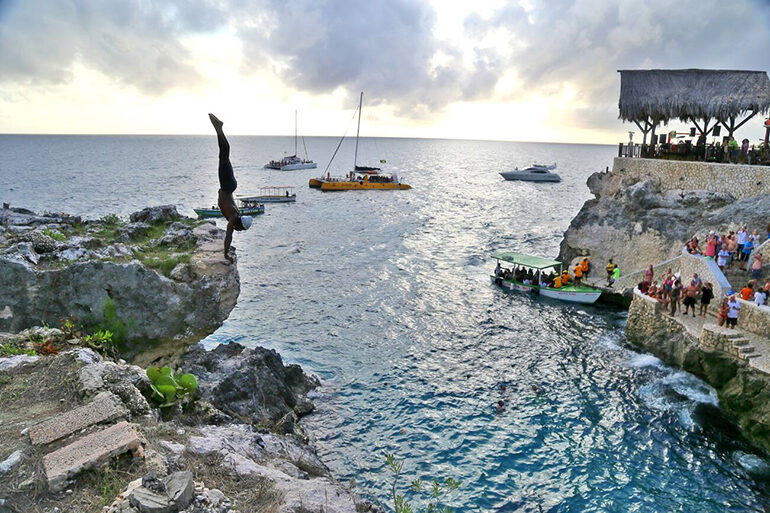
x=101 y=342
x=113 y=323
x=46 y=348
x=168 y=389
x=54 y=234
x=437 y=491
x=12 y=350
x=112 y=220
x=69 y=326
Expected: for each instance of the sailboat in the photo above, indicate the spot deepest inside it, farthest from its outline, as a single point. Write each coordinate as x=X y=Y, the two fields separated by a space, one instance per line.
x=292 y=162
x=361 y=177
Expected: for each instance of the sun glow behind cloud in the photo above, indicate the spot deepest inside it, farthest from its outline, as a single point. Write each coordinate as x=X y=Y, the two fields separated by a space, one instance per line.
x=489 y=69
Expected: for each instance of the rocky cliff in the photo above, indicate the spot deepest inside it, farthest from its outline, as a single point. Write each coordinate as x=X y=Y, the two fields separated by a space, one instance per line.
x=160 y=274
x=637 y=221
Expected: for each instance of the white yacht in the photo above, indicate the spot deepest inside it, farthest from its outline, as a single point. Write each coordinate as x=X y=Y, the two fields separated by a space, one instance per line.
x=534 y=173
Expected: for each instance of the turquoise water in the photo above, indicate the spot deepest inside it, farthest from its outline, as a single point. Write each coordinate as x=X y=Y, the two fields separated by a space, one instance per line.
x=386 y=296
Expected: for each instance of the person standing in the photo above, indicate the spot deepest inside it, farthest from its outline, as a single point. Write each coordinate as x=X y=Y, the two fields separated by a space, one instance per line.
x=676 y=297
x=690 y=294
x=747 y=249
x=740 y=237
x=610 y=271
x=734 y=307
x=649 y=274
x=722 y=258
x=756 y=266
x=705 y=299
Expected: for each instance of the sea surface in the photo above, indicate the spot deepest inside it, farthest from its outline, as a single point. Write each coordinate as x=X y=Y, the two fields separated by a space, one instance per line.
x=386 y=296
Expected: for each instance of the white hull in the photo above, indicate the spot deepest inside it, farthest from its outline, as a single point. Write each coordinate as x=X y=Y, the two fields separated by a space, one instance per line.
x=569 y=296
x=530 y=177
x=304 y=165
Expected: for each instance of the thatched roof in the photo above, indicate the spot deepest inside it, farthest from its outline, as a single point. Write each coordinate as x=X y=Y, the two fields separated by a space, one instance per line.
x=687 y=94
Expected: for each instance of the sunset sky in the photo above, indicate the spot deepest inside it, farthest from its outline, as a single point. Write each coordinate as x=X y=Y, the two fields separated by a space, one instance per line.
x=526 y=70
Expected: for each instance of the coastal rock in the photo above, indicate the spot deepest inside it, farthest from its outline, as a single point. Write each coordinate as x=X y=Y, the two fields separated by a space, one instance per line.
x=123 y=381
x=637 y=222
x=251 y=383
x=155 y=214
x=94 y=265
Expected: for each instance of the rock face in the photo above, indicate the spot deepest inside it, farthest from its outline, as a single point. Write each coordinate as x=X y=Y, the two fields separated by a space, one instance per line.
x=637 y=222
x=165 y=274
x=252 y=384
x=743 y=391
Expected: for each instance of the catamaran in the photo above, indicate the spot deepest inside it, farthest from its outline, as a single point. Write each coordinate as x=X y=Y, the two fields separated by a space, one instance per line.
x=506 y=279
x=293 y=162
x=246 y=207
x=272 y=194
x=362 y=177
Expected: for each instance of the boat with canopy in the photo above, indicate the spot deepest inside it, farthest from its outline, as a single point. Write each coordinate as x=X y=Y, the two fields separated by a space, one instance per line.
x=272 y=194
x=362 y=177
x=293 y=162
x=246 y=207
x=509 y=279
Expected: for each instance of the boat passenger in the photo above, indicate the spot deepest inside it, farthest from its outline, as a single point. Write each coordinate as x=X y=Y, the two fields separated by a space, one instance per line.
x=557 y=282
x=498 y=269
x=565 y=277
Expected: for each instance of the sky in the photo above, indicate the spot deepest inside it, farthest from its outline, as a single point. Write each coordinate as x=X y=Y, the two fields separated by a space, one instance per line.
x=524 y=70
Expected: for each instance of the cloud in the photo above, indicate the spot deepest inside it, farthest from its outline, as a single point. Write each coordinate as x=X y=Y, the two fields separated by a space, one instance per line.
x=132 y=41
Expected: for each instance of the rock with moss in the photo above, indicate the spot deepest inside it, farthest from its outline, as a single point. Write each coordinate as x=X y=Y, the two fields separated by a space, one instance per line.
x=163 y=274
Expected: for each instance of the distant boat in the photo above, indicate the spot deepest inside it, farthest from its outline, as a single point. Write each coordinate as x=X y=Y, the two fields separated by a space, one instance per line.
x=362 y=177
x=569 y=293
x=534 y=173
x=272 y=194
x=246 y=207
x=293 y=162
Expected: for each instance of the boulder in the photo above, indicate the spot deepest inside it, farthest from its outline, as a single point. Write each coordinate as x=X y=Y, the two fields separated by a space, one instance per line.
x=155 y=214
x=251 y=383
x=40 y=242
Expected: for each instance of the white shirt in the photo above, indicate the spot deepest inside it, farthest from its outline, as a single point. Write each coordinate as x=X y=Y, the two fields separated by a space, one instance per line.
x=723 y=256
x=734 y=307
x=759 y=297
x=741 y=237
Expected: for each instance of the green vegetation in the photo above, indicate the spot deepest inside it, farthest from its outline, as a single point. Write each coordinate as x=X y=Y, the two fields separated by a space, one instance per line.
x=437 y=491
x=113 y=324
x=101 y=342
x=163 y=261
x=168 y=389
x=54 y=234
x=14 y=350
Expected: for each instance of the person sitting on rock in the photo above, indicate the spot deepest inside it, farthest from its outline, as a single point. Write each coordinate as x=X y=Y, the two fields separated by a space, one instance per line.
x=227 y=186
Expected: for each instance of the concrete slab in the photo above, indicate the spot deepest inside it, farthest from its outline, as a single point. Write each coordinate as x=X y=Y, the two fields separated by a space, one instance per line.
x=104 y=407
x=89 y=451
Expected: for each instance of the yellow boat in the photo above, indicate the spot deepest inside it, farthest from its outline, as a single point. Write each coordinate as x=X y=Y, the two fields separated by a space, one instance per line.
x=362 y=177
x=364 y=181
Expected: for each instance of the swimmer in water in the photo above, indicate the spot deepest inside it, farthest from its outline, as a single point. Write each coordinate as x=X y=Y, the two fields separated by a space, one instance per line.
x=500 y=406
x=503 y=388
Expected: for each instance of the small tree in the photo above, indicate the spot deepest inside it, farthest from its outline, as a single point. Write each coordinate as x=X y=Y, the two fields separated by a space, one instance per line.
x=437 y=491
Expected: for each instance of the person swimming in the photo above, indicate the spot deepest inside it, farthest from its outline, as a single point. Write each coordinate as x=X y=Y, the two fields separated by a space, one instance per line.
x=500 y=406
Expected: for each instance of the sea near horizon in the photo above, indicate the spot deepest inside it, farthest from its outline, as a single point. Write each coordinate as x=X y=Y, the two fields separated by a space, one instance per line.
x=386 y=296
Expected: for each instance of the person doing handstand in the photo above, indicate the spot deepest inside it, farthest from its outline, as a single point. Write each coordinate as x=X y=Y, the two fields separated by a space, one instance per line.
x=227 y=185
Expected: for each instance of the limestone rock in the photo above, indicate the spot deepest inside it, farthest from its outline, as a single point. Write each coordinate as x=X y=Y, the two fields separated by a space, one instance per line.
x=14 y=361
x=252 y=383
x=11 y=462
x=41 y=242
x=120 y=380
x=169 y=495
x=155 y=214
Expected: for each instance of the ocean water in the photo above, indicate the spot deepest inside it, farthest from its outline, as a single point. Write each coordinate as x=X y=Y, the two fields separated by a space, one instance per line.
x=386 y=297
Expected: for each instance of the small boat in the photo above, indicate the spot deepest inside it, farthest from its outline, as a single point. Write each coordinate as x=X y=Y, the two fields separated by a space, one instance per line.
x=534 y=173
x=362 y=177
x=272 y=194
x=293 y=162
x=245 y=206
x=570 y=293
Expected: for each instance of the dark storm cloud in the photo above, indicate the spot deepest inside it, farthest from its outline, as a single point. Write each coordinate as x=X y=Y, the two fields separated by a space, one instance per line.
x=132 y=41
x=585 y=42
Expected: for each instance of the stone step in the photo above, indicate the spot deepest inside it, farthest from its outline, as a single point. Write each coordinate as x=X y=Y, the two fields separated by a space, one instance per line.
x=88 y=452
x=104 y=407
x=743 y=350
x=739 y=341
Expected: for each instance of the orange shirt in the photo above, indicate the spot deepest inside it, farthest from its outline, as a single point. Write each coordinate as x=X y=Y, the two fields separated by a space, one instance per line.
x=578 y=272
x=584 y=266
x=565 y=277
x=746 y=293
x=557 y=282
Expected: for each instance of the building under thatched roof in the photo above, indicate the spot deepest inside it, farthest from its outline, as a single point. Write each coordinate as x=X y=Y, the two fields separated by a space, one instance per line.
x=692 y=94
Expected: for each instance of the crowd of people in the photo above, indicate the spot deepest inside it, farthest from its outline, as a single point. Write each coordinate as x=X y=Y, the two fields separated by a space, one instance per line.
x=528 y=276
x=733 y=249
x=671 y=291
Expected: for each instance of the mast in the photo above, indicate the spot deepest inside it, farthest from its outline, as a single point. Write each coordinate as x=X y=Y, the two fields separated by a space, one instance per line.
x=295 y=131
x=358 y=130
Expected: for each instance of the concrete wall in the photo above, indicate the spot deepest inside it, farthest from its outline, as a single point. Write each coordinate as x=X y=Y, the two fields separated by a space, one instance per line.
x=739 y=180
x=754 y=318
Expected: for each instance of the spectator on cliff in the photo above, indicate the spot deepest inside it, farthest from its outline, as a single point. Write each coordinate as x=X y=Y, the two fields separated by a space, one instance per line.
x=733 y=148
x=741 y=236
x=747 y=249
x=724 y=309
x=760 y=296
x=732 y=314
x=693 y=248
x=722 y=258
x=653 y=290
x=676 y=297
x=615 y=274
x=747 y=291
x=698 y=281
x=711 y=245
x=732 y=247
x=705 y=298
x=756 y=266
x=644 y=287
x=649 y=274
x=690 y=294
x=745 y=147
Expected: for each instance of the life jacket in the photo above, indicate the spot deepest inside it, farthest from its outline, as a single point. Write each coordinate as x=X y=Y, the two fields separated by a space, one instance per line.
x=584 y=265
x=610 y=268
x=557 y=282
x=578 y=272
x=565 y=277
